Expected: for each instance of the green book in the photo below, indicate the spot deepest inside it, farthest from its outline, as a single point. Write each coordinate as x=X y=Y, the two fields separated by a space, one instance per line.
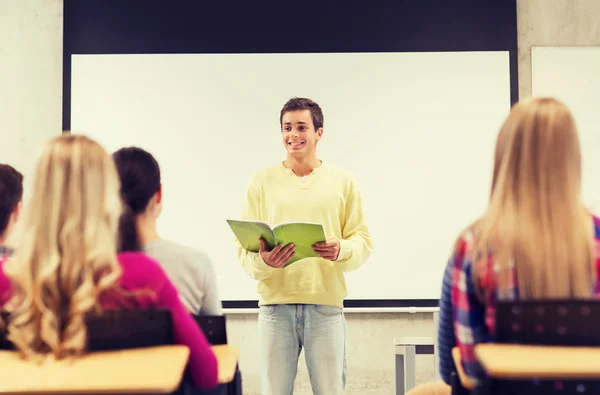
x=302 y=234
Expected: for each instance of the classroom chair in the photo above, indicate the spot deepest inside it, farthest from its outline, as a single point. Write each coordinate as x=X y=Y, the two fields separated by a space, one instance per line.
x=542 y=347
x=214 y=328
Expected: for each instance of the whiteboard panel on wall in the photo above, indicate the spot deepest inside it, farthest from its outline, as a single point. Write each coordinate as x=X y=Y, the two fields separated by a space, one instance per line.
x=417 y=129
x=572 y=75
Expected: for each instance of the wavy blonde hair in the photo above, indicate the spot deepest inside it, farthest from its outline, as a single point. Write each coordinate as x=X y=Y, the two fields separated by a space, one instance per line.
x=67 y=253
x=536 y=219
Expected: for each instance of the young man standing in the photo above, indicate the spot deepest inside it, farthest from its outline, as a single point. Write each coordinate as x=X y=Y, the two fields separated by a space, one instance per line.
x=301 y=305
x=11 y=194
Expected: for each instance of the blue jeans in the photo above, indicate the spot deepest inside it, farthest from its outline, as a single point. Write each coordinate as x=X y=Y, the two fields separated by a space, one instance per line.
x=283 y=330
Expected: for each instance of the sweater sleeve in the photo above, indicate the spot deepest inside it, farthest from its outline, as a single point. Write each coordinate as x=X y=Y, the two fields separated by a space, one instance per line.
x=446 y=338
x=203 y=362
x=252 y=262
x=468 y=316
x=356 y=244
x=5 y=285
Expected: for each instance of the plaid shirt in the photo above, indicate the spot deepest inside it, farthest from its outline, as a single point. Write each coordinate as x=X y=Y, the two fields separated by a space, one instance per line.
x=474 y=320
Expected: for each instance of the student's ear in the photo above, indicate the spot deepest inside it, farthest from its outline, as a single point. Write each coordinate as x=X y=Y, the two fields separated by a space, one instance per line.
x=319 y=134
x=159 y=195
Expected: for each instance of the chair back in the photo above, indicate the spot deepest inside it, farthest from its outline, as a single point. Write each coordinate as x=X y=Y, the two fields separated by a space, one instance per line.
x=214 y=328
x=120 y=329
x=570 y=323
x=549 y=322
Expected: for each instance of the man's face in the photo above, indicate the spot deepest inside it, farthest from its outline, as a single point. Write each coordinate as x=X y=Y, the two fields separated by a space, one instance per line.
x=298 y=133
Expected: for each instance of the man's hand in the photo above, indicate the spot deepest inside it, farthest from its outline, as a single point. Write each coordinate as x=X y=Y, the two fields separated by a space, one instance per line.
x=329 y=249
x=278 y=256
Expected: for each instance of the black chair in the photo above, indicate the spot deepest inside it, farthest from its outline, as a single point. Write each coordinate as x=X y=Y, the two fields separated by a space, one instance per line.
x=214 y=328
x=120 y=329
x=569 y=323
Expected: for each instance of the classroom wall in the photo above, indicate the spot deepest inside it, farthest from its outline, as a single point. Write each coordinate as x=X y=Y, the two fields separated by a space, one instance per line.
x=30 y=74
x=554 y=23
x=30 y=105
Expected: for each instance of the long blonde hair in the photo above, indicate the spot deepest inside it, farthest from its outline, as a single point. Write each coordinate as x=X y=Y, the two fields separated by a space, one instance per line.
x=536 y=219
x=66 y=257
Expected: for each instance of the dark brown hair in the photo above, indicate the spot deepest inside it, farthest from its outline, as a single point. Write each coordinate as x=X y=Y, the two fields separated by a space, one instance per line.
x=140 y=180
x=11 y=193
x=301 y=103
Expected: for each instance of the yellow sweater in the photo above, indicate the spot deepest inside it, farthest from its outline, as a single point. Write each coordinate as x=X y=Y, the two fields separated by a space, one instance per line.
x=329 y=196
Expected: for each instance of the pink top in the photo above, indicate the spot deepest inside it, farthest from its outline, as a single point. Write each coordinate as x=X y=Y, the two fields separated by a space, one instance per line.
x=141 y=272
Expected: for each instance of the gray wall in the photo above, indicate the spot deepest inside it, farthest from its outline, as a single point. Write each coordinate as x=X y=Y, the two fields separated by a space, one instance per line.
x=30 y=105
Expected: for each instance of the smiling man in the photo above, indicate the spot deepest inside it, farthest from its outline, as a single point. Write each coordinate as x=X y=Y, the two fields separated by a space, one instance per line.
x=301 y=306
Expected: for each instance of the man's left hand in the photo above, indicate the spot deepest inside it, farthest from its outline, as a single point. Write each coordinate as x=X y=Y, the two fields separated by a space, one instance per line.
x=329 y=249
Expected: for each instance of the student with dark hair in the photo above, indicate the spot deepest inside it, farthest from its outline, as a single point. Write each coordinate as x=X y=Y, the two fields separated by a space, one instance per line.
x=301 y=306
x=141 y=190
x=11 y=195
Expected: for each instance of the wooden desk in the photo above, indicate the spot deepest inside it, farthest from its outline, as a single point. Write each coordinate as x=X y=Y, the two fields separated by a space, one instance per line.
x=515 y=361
x=149 y=370
x=227 y=358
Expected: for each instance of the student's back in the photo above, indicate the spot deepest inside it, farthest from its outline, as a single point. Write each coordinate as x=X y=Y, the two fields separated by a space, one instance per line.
x=536 y=240
x=141 y=190
x=474 y=299
x=191 y=271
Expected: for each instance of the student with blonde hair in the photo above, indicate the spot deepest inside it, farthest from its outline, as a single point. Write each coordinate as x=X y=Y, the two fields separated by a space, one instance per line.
x=67 y=266
x=537 y=240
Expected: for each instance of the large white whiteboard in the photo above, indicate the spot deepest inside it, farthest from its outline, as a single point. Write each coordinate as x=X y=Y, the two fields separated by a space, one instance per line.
x=417 y=129
x=572 y=75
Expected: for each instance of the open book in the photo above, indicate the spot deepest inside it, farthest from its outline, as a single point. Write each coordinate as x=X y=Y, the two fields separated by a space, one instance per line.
x=303 y=234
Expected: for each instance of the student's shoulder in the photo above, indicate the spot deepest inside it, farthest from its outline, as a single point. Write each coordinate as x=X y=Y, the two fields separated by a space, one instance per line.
x=140 y=270
x=463 y=248
x=189 y=256
x=5 y=285
x=265 y=177
x=340 y=174
x=337 y=170
x=266 y=174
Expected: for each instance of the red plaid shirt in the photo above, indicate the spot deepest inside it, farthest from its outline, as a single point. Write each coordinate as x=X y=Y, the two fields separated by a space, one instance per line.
x=474 y=320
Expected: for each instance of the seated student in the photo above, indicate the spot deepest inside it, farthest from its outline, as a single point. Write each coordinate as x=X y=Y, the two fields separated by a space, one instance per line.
x=446 y=336
x=67 y=264
x=536 y=240
x=190 y=270
x=11 y=194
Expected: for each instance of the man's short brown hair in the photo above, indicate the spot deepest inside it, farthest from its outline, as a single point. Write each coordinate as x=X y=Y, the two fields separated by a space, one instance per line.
x=301 y=103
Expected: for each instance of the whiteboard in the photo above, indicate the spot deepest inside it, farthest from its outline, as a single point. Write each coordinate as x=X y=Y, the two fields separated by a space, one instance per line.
x=417 y=130
x=572 y=75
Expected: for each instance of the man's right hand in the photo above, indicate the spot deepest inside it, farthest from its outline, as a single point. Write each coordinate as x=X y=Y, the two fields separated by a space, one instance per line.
x=278 y=256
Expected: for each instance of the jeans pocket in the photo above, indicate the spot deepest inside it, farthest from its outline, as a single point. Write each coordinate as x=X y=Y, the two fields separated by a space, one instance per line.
x=269 y=309
x=329 y=311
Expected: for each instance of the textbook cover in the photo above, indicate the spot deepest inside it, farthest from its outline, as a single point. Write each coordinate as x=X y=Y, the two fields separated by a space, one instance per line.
x=302 y=234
